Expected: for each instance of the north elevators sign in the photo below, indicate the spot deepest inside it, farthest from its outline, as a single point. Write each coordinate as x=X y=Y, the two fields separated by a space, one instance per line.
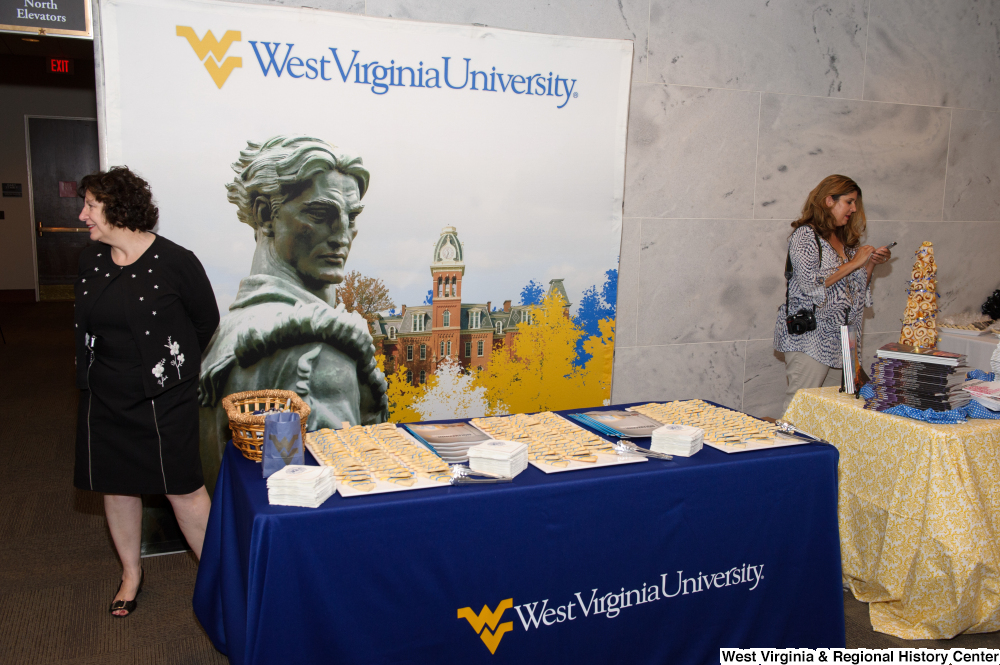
x=49 y=17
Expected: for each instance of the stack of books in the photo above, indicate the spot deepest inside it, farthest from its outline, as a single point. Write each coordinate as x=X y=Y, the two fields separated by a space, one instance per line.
x=501 y=458
x=932 y=356
x=680 y=440
x=923 y=380
x=450 y=441
x=303 y=486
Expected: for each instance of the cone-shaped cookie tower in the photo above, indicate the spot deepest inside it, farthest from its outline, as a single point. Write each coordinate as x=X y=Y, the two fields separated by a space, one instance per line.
x=920 y=317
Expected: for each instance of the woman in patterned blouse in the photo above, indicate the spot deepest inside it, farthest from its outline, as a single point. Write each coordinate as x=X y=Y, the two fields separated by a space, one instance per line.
x=831 y=272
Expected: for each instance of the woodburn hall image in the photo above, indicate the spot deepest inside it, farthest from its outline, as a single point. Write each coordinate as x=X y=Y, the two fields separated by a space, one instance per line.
x=420 y=338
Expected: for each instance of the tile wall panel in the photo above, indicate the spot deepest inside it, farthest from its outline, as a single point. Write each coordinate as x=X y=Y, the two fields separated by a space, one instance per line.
x=765 y=382
x=973 y=190
x=896 y=153
x=690 y=152
x=680 y=371
x=764 y=379
x=870 y=343
x=710 y=280
x=934 y=53
x=617 y=19
x=966 y=256
x=628 y=284
x=803 y=47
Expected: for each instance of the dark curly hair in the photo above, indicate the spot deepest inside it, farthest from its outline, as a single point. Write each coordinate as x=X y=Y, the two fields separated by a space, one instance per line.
x=127 y=199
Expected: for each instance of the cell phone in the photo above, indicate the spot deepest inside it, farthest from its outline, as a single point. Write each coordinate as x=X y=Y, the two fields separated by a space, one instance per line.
x=889 y=246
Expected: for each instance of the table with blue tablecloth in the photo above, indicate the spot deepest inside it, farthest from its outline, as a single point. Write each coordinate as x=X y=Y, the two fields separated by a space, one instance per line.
x=655 y=562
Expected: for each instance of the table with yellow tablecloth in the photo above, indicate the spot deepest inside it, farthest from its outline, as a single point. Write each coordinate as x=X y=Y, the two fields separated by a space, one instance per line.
x=919 y=511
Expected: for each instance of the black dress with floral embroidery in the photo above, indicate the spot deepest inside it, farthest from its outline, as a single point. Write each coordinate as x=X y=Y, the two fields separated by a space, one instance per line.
x=130 y=441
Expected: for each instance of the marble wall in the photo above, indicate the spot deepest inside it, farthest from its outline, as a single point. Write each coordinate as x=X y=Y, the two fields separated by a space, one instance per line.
x=738 y=109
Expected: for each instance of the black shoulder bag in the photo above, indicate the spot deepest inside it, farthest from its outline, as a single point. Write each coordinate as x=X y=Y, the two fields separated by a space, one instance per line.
x=804 y=320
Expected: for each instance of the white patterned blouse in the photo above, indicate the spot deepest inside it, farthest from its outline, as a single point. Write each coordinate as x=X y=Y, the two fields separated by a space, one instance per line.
x=806 y=289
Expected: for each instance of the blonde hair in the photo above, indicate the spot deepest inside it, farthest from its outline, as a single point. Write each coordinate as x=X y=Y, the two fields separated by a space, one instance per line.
x=817 y=215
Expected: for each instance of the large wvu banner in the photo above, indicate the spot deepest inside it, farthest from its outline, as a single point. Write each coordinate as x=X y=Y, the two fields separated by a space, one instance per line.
x=455 y=192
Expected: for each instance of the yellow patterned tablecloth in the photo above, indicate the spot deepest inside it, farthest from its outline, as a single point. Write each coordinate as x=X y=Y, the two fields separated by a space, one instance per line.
x=919 y=509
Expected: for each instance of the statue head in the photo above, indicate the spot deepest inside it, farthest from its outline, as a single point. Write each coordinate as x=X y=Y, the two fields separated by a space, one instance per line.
x=301 y=195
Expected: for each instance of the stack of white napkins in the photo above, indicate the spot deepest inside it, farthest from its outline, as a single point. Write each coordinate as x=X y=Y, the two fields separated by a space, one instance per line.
x=680 y=440
x=299 y=485
x=502 y=458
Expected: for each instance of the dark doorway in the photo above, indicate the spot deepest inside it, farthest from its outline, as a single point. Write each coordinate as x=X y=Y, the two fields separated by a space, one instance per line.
x=60 y=151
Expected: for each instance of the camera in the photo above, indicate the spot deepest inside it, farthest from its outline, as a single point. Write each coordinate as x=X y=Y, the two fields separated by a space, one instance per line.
x=801 y=322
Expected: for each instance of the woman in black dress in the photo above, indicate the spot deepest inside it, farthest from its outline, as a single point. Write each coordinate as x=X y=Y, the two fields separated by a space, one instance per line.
x=144 y=311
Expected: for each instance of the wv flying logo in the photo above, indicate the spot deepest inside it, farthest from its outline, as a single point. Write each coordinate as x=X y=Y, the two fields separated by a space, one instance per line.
x=485 y=623
x=218 y=68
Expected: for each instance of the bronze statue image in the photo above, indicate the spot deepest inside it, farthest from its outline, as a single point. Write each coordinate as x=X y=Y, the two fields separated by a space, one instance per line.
x=302 y=197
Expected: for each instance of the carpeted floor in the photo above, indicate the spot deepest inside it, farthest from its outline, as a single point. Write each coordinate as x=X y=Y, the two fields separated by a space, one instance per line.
x=58 y=569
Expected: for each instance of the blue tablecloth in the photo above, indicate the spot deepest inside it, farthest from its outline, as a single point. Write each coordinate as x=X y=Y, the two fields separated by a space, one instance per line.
x=742 y=551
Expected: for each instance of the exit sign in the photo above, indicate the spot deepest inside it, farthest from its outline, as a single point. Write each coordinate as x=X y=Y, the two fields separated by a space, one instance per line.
x=60 y=66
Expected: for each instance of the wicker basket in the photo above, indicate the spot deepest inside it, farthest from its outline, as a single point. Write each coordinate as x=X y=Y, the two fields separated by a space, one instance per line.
x=248 y=429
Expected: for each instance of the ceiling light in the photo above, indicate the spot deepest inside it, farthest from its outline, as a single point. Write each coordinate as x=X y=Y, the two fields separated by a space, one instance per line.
x=29 y=39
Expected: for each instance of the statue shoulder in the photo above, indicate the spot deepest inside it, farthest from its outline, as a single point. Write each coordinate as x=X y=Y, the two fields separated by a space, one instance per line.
x=279 y=325
x=323 y=375
x=309 y=369
x=275 y=334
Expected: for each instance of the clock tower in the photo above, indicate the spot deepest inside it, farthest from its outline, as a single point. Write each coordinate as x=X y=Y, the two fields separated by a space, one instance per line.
x=447 y=270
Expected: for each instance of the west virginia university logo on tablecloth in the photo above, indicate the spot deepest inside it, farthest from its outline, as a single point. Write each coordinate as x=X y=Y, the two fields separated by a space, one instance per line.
x=218 y=68
x=485 y=623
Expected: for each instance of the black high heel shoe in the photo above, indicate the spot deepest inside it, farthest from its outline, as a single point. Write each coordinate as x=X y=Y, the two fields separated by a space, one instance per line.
x=127 y=605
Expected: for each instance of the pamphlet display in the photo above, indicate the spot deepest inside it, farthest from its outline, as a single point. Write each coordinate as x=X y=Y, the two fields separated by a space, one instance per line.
x=554 y=443
x=377 y=459
x=383 y=458
x=725 y=430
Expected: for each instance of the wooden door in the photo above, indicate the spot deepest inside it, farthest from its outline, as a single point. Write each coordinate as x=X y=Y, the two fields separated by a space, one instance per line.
x=60 y=151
